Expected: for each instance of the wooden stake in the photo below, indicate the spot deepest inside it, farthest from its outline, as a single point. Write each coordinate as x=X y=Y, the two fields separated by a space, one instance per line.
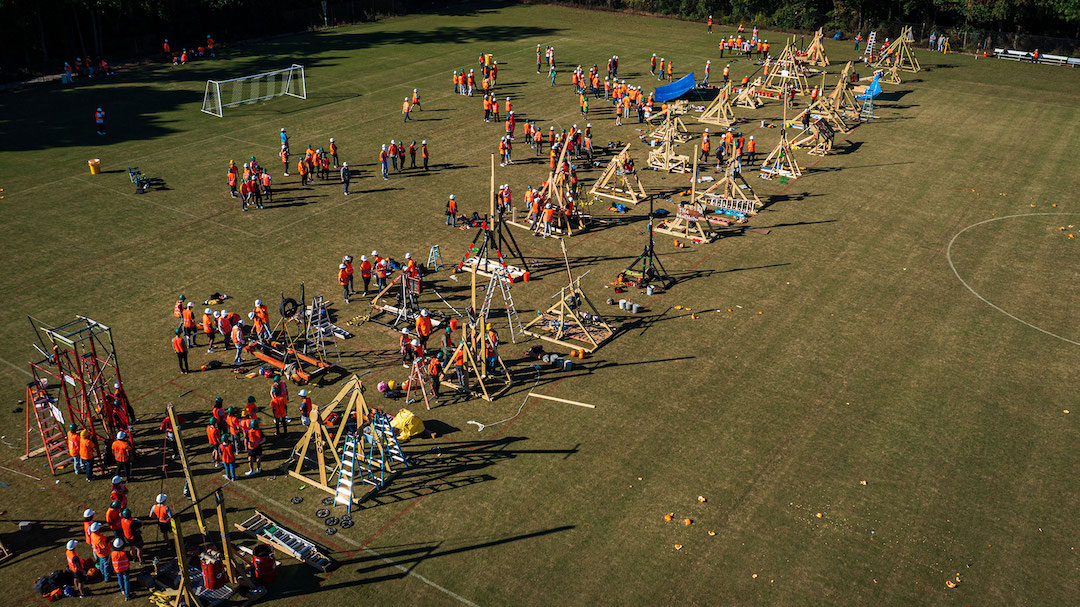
x=562 y=400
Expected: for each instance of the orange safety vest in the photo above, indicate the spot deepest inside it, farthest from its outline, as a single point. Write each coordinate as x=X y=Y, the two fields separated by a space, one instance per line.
x=459 y=358
x=177 y=308
x=365 y=269
x=87 y=448
x=433 y=367
x=342 y=276
x=161 y=513
x=237 y=335
x=208 y=323
x=301 y=166
x=228 y=454
x=178 y=345
x=549 y=214
x=750 y=145
x=125 y=526
x=405 y=107
x=74 y=561
x=231 y=176
x=121 y=451
x=100 y=545
x=112 y=518
x=423 y=325
x=265 y=177
x=254 y=438
x=73 y=440
x=213 y=435
x=189 y=318
x=119 y=561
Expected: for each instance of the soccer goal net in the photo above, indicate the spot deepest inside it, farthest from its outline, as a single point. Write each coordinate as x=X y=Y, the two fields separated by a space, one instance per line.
x=221 y=94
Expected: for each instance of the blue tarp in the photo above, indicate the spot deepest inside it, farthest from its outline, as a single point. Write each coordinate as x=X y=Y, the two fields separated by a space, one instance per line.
x=873 y=90
x=675 y=89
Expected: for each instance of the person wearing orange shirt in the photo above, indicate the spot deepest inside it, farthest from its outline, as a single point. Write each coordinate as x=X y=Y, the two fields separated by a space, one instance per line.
x=100 y=545
x=434 y=368
x=365 y=273
x=162 y=515
x=77 y=566
x=451 y=211
x=112 y=518
x=279 y=405
x=88 y=450
x=238 y=341
x=255 y=442
x=120 y=565
x=180 y=347
x=228 y=457
x=209 y=328
x=459 y=369
x=131 y=528
x=423 y=327
x=751 y=149
x=178 y=309
x=230 y=177
x=121 y=450
x=405 y=109
x=343 y=280
x=549 y=218
x=213 y=438
x=416 y=100
x=73 y=441
x=302 y=168
x=88 y=521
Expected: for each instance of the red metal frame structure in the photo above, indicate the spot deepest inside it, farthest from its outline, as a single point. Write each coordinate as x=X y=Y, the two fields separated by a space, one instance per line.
x=80 y=363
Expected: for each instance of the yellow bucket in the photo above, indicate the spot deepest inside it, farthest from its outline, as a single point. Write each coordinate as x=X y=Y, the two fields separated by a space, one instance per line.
x=488 y=59
x=95 y=165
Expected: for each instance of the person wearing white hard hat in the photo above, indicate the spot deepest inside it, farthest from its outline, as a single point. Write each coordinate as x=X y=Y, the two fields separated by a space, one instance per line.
x=383 y=162
x=416 y=100
x=346 y=177
x=262 y=312
x=122 y=454
x=162 y=515
x=333 y=152
x=424 y=327
x=382 y=269
x=305 y=408
x=76 y=565
x=424 y=153
x=451 y=211
x=187 y=321
x=404 y=348
x=120 y=565
x=88 y=521
x=238 y=341
x=343 y=280
x=100 y=544
x=365 y=273
x=119 y=491
x=347 y=260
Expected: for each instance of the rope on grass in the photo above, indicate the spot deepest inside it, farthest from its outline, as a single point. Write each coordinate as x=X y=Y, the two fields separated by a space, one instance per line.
x=480 y=427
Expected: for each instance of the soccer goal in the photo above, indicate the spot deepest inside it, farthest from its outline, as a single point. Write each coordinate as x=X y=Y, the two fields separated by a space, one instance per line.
x=221 y=94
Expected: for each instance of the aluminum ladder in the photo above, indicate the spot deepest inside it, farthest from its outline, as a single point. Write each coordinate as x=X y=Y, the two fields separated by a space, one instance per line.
x=343 y=495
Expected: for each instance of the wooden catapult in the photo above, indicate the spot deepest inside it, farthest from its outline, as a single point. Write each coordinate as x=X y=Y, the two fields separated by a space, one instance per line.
x=301 y=343
x=556 y=191
x=675 y=108
x=723 y=203
x=781 y=161
x=815 y=53
x=841 y=100
x=357 y=415
x=819 y=139
x=485 y=255
x=671 y=128
x=619 y=181
x=719 y=111
x=691 y=221
x=474 y=342
x=786 y=73
x=748 y=96
x=822 y=109
x=664 y=157
x=572 y=321
x=898 y=56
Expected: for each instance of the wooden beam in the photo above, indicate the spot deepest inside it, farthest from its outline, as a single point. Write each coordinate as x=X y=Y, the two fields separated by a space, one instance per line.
x=562 y=400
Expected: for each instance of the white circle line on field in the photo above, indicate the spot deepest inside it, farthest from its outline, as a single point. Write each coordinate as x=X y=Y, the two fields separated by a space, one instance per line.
x=948 y=257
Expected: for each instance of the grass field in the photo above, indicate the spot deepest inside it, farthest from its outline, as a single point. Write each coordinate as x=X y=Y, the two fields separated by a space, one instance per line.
x=855 y=352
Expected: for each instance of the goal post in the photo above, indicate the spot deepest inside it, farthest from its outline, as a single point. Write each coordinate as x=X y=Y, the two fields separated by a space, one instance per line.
x=221 y=94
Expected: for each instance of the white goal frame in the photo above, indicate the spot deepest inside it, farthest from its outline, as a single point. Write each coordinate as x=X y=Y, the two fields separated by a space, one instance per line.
x=288 y=81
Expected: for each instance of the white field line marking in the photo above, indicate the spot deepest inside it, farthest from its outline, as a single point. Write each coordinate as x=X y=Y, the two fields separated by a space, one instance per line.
x=948 y=256
x=353 y=542
x=16 y=367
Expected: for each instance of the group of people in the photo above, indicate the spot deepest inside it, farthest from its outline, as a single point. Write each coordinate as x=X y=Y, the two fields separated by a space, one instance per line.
x=392 y=155
x=184 y=55
x=85 y=67
x=233 y=430
x=114 y=542
x=378 y=267
x=230 y=326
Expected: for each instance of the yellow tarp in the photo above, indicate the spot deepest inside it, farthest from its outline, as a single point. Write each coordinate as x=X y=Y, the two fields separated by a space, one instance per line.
x=407 y=425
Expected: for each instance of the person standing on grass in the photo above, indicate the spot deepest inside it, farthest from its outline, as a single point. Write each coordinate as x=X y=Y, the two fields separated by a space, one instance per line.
x=76 y=566
x=99 y=121
x=451 y=212
x=551 y=75
x=228 y=456
x=255 y=441
x=285 y=158
x=383 y=161
x=302 y=168
x=120 y=565
x=405 y=109
x=238 y=341
x=416 y=100
x=346 y=176
x=424 y=153
x=710 y=24
x=132 y=530
x=100 y=545
x=230 y=177
x=343 y=280
x=180 y=347
x=412 y=155
x=213 y=438
x=267 y=191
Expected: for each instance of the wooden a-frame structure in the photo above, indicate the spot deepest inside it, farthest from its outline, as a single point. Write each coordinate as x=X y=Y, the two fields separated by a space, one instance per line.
x=748 y=97
x=822 y=108
x=786 y=73
x=616 y=183
x=815 y=53
x=485 y=254
x=318 y=435
x=562 y=322
x=842 y=100
x=781 y=161
x=899 y=55
x=568 y=219
x=664 y=157
x=471 y=348
x=671 y=128
x=720 y=110
x=691 y=221
x=819 y=138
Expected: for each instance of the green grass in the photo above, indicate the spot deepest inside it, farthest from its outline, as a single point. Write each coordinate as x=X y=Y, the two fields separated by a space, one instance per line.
x=870 y=360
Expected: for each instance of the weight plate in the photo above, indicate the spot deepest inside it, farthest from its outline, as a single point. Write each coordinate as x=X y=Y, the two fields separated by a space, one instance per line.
x=297 y=500
x=322 y=513
x=331 y=521
x=346 y=517
x=330 y=531
x=327 y=501
x=345 y=524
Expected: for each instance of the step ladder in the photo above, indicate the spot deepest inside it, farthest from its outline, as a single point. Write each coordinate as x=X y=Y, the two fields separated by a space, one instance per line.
x=417 y=381
x=51 y=438
x=434 y=259
x=380 y=421
x=730 y=206
x=502 y=277
x=343 y=496
x=867 y=110
x=268 y=531
x=870 y=43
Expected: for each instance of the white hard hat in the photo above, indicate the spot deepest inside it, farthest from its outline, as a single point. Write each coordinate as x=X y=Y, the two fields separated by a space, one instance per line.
x=424 y=142
x=404 y=331
x=208 y=311
x=374 y=253
x=408 y=256
x=414 y=90
x=88 y=513
x=342 y=266
x=363 y=258
x=116 y=384
x=121 y=435
x=392 y=142
x=258 y=302
x=282 y=129
x=100 y=110
x=118 y=543
x=345 y=164
x=71 y=544
x=751 y=136
x=161 y=498
x=191 y=304
x=217 y=315
x=348 y=258
x=116 y=480
x=451 y=197
x=95 y=527
x=224 y=313
x=331 y=140
x=406 y=99
x=706 y=130
x=588 y=125
x=303 y=393
x=415 y=342
x=423 y=312
x=384 y=147
x=508 y=99
x=251 y=315
x=240 y=322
